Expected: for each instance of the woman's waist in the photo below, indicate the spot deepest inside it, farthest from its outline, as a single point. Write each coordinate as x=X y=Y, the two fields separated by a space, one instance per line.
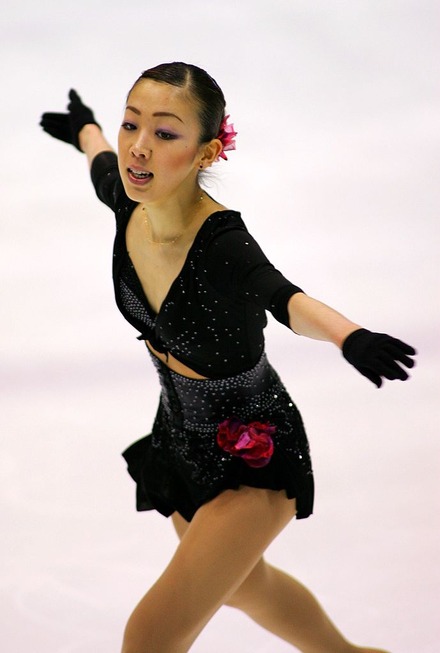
x=205 y=401
x=173 y=364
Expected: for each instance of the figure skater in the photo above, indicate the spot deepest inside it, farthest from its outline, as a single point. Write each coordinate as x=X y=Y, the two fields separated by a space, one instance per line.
x=227 y=457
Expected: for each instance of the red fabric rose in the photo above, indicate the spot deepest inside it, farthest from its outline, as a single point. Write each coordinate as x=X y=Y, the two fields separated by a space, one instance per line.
x=252 y=442
x=227 y=136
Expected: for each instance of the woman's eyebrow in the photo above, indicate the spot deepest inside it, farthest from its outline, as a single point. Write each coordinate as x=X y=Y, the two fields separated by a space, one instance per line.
x=136 y=111
x=166 y=113
x=157 y=114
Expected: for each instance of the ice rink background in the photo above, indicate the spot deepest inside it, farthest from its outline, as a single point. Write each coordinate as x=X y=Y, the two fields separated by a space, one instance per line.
x=336 y=174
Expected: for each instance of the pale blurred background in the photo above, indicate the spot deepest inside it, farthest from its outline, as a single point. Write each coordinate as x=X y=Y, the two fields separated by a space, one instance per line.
x=336 y=174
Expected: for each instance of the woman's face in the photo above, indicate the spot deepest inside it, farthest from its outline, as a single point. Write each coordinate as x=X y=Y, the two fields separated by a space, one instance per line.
x=158 y=145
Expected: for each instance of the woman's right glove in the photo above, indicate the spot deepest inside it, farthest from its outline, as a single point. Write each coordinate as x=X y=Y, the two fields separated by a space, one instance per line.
x=377 y=355
x=66 y=126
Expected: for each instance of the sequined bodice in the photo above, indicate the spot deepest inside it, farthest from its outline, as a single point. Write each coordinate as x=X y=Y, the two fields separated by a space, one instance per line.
x=212 y=319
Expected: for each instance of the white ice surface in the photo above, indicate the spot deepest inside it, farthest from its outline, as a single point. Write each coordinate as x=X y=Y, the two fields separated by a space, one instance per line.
x=336 y=174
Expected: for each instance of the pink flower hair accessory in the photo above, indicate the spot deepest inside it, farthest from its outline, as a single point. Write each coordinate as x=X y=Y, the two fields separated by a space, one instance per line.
x=227 y=136
x=252 y=442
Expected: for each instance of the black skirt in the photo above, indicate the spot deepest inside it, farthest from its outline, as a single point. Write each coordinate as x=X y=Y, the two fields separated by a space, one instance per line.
x=215 y=434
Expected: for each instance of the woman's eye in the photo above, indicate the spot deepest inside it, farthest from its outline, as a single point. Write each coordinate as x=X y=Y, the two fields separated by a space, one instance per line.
x=166 y=136
x=128 y=126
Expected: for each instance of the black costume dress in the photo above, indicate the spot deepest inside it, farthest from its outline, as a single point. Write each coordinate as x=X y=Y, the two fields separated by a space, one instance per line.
x=238 y=426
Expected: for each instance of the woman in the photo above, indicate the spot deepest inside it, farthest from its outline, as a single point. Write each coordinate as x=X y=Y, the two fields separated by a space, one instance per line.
x=228 y=458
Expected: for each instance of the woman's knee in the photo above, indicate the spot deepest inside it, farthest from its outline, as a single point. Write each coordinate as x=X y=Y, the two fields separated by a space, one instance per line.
x=248 y=593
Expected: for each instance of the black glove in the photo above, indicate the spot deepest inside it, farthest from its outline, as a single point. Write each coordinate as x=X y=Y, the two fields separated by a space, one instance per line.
x=66 y=126
x=376 y=354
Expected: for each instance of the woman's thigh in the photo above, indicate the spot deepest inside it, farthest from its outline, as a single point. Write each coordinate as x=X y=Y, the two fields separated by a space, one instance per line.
x=181 y=525
x=235 y=598
x=226 y=539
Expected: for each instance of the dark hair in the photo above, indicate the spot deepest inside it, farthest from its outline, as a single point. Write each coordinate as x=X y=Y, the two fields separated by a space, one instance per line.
x=203 y=88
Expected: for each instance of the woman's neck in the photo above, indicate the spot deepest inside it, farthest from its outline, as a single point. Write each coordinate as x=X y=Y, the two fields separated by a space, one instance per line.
x=169 y=220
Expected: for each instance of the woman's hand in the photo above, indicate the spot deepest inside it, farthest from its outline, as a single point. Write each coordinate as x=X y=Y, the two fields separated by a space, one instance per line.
x=377 y=355
x=77 y=127
x=374 y=355
x=67 y=126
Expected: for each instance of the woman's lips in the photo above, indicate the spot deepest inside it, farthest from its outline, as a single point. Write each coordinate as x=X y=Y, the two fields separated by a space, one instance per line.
x=139 y=177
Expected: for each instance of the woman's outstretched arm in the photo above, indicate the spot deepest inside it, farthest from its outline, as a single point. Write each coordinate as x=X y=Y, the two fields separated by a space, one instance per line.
x=374 y=355
x=92 y=142
x=310 y=317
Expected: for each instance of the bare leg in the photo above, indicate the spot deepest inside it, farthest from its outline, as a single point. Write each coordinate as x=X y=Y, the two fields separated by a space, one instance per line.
x=286 y=608
x=220 y=548
x=283 y=606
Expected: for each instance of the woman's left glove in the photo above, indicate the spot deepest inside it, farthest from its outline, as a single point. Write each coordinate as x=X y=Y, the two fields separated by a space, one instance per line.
x=66 y=126
x=377 y=355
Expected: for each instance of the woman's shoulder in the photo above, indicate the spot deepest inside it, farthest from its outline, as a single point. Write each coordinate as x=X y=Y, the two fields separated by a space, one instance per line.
x=221 y=221
x=223 y=236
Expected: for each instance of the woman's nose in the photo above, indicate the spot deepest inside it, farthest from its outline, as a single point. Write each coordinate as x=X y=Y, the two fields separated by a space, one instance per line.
x=140 y=149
